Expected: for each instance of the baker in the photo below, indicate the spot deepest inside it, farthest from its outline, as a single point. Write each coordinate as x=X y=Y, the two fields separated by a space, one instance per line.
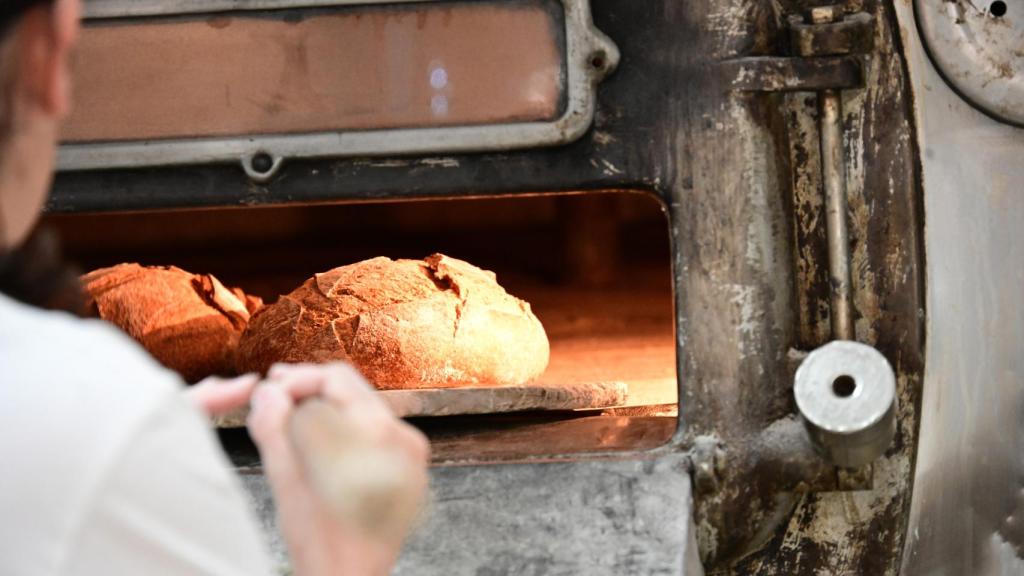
x=107 y=463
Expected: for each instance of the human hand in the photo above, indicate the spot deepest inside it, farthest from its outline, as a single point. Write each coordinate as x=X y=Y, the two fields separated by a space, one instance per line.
x=320 y=540
x=216 y=396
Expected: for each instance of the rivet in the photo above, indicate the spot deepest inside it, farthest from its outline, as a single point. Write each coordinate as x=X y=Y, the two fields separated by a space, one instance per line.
x=262 y=163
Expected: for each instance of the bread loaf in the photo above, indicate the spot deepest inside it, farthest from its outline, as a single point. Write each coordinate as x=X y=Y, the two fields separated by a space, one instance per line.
x=189 y=322
x=433 y=323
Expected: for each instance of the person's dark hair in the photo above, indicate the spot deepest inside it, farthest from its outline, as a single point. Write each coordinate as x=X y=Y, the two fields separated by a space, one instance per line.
x=34 y=272
x=11 y=10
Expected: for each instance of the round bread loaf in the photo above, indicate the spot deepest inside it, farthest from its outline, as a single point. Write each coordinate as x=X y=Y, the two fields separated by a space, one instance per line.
x=433 y=323
x=189 y=322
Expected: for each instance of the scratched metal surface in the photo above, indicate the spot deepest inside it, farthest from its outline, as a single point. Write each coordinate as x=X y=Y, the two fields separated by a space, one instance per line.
x=967 y=515
x=626 y=517
x=754 y=290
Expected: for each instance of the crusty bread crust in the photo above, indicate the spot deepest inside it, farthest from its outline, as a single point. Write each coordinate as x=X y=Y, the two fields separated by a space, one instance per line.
x=433 y=323
x=189 y=322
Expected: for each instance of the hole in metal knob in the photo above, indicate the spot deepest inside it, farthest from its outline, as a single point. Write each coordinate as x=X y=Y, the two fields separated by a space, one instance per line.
x=844 y=386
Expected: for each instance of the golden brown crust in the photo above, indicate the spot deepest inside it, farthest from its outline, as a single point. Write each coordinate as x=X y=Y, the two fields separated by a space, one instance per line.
x=191 y=323
x=433 y=323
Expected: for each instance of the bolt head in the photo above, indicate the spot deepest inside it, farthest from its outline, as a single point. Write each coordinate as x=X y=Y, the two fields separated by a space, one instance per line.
x=262 y=162
x=824 y=14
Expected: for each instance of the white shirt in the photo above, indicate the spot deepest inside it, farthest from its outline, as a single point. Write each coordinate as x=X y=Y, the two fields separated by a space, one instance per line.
x=105 y=469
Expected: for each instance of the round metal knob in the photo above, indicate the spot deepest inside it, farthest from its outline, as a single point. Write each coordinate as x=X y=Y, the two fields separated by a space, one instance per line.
x=975 y=46
x=846 y=394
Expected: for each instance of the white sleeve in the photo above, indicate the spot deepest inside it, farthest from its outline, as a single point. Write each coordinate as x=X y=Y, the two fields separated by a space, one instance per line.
x=169 y=505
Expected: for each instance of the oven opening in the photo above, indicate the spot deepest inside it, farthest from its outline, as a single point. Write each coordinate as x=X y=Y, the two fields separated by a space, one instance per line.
x=595 y=269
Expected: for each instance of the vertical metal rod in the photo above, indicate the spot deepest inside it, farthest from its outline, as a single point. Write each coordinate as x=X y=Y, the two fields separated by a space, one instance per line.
x=833 y=175
x=834 y=179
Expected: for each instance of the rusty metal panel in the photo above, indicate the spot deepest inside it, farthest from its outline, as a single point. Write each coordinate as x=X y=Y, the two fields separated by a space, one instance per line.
x=759 y=524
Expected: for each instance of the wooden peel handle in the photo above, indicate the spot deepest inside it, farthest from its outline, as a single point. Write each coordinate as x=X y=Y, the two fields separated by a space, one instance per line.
x=366 y=484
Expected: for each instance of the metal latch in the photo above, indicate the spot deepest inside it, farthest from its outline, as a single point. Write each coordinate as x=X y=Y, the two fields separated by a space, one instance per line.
x=845 y=391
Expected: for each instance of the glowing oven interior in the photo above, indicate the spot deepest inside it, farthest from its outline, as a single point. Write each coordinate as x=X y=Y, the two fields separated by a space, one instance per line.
x=595 y=268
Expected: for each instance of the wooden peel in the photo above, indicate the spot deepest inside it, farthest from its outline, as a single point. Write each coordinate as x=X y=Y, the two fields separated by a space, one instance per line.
x=371 y=487
x=432 y=402
x=503 y=399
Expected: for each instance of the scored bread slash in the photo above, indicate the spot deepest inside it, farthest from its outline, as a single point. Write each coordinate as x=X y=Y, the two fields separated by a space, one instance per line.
x=429 y=402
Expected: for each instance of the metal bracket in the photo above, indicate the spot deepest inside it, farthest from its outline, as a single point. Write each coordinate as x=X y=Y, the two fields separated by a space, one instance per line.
x=824 y=43
x=706 y=456
x=780 y=74
x=814 y=34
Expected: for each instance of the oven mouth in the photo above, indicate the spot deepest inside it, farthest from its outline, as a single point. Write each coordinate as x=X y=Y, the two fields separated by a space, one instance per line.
x=595 y=269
